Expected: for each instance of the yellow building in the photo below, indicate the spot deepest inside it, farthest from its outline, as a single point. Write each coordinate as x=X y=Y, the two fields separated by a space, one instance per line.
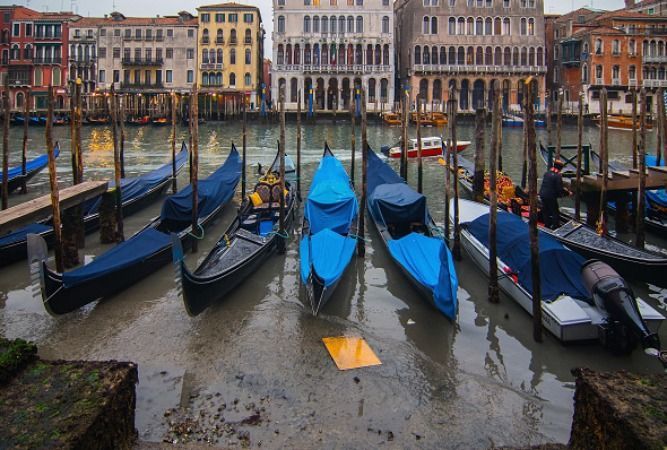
x=231 y=49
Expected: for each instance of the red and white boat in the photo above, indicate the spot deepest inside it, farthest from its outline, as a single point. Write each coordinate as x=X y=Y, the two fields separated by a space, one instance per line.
x=431 y=146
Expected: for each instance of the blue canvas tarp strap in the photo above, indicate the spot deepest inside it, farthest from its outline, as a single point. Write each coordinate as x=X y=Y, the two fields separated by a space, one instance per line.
x=429 y=261
x=560 y=268
x=331 y=202
x=327 y=253
x=21 y=234
x=37 y=163
x=136 y=249
x=135 y=187
x=213 y=191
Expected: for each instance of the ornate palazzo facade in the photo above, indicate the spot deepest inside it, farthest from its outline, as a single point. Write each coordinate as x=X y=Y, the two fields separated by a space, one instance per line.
x=466 y=45
x=324 y=48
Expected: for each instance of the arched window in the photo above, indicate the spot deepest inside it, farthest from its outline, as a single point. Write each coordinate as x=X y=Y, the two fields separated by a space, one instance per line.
x=425 y=25
x=497 y=26
x=515 y=56
x=434 y=55
x=325 y=25
x=333 y=23
x=369 y=54
x=434 y=25
x=531 y=27
x=378 y=55
x=281 y=24
x=524 y=27
x=470 y=56
x=72 y=51
x=524 y=56
x=38 y=77
x=479 y=60
x=16 y=52
x=341 y=25
x=461 y=56
x=531 y=57
x=385 y=24
x=205 y=36
x=371 y=89
x=316 y=24
x=233 y=37
x=479 y=26
x=452 y=56
x=350 y=24
x=358 y=55
x=488 y=56
x=385 y=55
x=297 y=54
x=452 y=26
x=306 y=24
x=471 y=26
x=204 y=56
x=281 y=55
x=507 y=57
x=584 y=74
x=418 y=55
x=540 y=56
x=56 y=79
x=219 y=39
x=325 y=54
x=437 y=89
x=204 y=78
x=443 y=55
x=427 y=55
x=27 y=52
x=360 y=24
x=247 y=79
x=294 y=90
x=498 y=57
x=248 y=56
x=423 y=89
x=384 y=84
x=598 y=46
x=488 y=26
x=19 y=99
x=461 y=26
x=507 y=30
x=232 y=79
x=220 y=56
x=307 y=55
x=232 y=56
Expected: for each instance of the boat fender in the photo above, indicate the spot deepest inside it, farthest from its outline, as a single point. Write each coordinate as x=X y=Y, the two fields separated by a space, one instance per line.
x=625 y=324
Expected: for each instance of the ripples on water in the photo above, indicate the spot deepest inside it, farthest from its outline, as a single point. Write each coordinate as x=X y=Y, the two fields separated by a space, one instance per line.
x=439 y=380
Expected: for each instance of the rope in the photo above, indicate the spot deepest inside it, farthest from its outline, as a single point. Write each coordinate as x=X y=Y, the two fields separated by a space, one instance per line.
x=201 y=229
x=283 y=235
x=356 y=237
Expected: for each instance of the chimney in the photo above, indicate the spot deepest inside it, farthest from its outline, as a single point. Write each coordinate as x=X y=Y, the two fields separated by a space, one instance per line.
x=629 y=4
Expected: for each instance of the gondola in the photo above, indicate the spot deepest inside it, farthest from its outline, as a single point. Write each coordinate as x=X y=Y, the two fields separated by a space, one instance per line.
x=409 y=233
x=628 y=260
x=160 y=121
x=97 y=120
x=137 y=193
x=516 y=121
x=328 y=234
x=580 y=300
x=142 y=254
x=15 y=175
x=244 y=246
x=139 y=120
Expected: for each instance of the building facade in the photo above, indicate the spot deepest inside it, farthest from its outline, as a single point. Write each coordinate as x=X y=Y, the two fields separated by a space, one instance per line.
x=82 y=58
x=323 y=49
x=231 y=53
x=466 y=45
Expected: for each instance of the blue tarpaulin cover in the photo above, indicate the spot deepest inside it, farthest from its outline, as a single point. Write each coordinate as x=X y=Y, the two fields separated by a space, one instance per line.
x=331 y=202
x=328 y=252
x=21 y=234
x=135 y=187
x=657 y=197
x=428 y=260
x=34 y=164
x=215 y=190
x=136 y=249
x=560 y=268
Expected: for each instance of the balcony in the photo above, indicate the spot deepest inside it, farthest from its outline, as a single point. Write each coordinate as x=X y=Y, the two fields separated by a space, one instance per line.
x=141 y=85
x=47 y=60
x=616 y=82
x=247 y=40
x=205 y=40
x=143 y=62
x=339 y=68
x=48 y=37
x=655 y=83
x=82 y=38
x=632 y=82
x=79 y=60
x=148 y=38
x=655 y=59
x=19 y=82
x=232 y=40
x=159 y=38
x=219 y=41
x=211 y=66
x=598 y=81
x=474 y=69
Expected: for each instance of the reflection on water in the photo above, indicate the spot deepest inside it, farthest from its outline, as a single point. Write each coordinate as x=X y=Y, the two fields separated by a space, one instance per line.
x=438 y=379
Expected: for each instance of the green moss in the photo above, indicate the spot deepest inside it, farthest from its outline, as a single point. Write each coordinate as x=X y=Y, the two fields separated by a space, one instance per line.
x=14 y=355
x=656 y=413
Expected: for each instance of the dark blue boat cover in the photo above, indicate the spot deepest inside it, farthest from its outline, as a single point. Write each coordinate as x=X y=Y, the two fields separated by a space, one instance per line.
x=136 y=249
x=35 y=164
x=331 y=202
x=656 y=197
x=21 y=234
x=430 y=262
x=391 y=200
x=213 y=191
x=427 y=259
x=328 y=253
x=135 y=187
x=560 y=268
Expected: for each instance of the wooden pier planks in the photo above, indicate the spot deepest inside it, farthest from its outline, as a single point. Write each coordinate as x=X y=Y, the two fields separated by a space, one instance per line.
x=40 y=208
x=656 y=178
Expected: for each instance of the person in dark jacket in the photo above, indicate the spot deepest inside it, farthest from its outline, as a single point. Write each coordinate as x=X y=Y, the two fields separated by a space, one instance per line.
x=551 y=190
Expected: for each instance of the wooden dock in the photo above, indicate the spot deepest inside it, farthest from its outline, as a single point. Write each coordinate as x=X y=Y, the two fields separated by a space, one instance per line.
x=40 y=208
x=626 y=180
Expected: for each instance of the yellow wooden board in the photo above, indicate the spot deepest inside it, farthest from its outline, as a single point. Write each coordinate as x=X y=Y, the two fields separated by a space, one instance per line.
x=350 y=352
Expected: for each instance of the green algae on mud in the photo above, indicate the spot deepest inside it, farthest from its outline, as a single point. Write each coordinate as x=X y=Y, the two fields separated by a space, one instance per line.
x=14 y=355
x=67 y=404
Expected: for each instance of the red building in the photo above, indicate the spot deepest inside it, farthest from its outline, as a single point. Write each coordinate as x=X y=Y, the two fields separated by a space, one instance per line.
x=17 y=46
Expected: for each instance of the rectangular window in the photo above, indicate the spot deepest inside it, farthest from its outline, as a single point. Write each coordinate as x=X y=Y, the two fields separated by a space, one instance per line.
x=170 y=53
x=102 y=52
x=170 y=33
x=506 y=3
x=137 y=33
x=220 y=18
x=149 y=34
x=149 y=54
x=116 y=52
x=103 y=76
x=190 y=53
x=77 y=33
x=16 y=30
x=128 y=33
x=385 y=2
x=158 y=34
x=206 y=17
x=137 y=76
x=137 y=54
x=103 y=32
x=190 y=76
x=170 y=76
x=126 y=54
x=247 y=18
x=158 y=54
x=116 y=76
x=147 y=75
x=116 y=32
x=233 y=18
x=360 y=2
x=126 y=76
x=28 y=29
x=191 y=33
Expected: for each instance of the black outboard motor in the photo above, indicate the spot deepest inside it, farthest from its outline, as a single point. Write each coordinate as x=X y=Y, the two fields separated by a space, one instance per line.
x=625 y=324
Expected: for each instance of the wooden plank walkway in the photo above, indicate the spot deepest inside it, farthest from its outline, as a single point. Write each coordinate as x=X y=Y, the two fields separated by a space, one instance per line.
x=40 y=208
x=656 y=178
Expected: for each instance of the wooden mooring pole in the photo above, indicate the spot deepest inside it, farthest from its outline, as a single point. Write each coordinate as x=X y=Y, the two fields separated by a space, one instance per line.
x=117 y=167
x=448 y=162
x=5 y=144
x=298 y=147
x=532 y=224
x=559 y=124
x=634 y=128
x=174 y=181
x=24 y=150
x=604 y=164
x=549 y=119
x=353 y=143
x=78 y=114
x=478 y=178
x=420 y=167
x=496 y=124
x=121 y=120
x=190 y=119
x=361 y=229
x=524 y=156
x=53 y=182
x=456 y=249
x=194 y=167
x=282 y=241
x=641 y=197
x=404 y=134
x=662 y=129
x=580 y=148
x=243 y=156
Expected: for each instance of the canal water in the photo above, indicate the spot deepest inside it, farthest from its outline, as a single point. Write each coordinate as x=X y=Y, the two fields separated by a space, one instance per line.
x=256 y=360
